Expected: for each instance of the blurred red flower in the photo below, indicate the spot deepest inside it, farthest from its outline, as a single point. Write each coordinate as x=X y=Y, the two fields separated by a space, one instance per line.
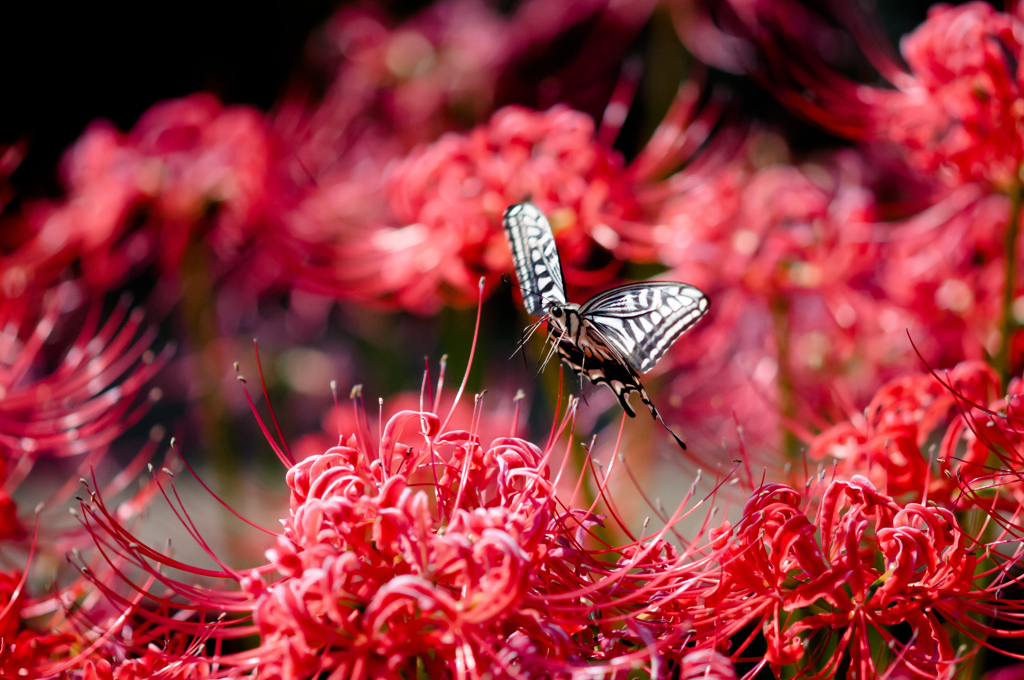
x=189 y=170
x=421 y=236
x=958 y=110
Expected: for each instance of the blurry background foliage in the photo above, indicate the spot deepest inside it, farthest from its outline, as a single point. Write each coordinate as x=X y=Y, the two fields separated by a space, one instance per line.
x=66 y=65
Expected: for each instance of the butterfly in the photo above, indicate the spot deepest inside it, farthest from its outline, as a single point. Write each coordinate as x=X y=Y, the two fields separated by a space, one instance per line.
x=615 y=335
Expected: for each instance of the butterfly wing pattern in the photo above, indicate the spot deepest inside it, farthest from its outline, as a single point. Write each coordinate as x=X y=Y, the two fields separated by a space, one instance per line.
x=614 y=336
x=642 y=320
x=536 y=258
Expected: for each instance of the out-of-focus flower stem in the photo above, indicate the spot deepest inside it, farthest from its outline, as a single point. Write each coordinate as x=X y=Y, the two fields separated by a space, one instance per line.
x=1008 y=325
x=199 y=311
x=780 y=319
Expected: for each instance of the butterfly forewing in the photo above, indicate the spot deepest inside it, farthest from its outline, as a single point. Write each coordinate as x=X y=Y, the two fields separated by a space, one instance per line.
x=536 y=257
x=640 y=321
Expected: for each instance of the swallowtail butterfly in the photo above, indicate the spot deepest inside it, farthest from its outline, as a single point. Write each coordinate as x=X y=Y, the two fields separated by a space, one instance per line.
x=615 y=335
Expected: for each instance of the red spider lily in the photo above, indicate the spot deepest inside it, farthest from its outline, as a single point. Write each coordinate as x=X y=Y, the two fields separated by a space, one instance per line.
x=790 y=255
x=826 y=585
x=954 y=112
x=420 y=549
x=63 y=397
x=975 y=435
x=954 y=117
x=440 y=226
x=90 y=398
x=957 y=110
x=425 y=549
x=190 y=169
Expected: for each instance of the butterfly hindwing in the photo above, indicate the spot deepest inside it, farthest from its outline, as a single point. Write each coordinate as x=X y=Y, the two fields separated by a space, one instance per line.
x=640 y=321
x=617 y=376
x=535 y=255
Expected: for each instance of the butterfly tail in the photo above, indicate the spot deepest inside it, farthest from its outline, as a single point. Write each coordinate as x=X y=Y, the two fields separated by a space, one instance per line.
x=657 y=416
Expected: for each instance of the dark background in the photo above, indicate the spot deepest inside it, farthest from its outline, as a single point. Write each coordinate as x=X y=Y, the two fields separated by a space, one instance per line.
x=64 y=65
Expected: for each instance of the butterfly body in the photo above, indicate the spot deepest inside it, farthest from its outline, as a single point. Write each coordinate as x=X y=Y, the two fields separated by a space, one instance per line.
x=615 y=335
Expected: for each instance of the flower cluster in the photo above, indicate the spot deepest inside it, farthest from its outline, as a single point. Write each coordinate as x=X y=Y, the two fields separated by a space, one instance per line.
x=958 y=110
x=457 y=542
x=440 y=224
x=862 y=565
x=190 y=166
x=423 y=550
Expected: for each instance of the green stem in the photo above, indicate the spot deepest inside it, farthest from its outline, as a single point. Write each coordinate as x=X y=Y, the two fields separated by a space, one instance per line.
x=787 y=405
x=1008 y=325
x=199 y=313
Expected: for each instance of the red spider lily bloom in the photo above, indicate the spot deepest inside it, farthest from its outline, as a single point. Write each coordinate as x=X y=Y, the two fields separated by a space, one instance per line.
x=959 y=109
x=189 y=169
x=955 y=111
x=420 y=549
x=847 y=573
x=423 y=549
x=411 y=594
x=975 y=435
x=790 y=255
x=954 y=117
x=437 y=225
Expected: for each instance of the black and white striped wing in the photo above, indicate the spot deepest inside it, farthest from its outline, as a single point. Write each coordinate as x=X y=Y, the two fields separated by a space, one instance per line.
x=536 y=257
x=640 y=321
